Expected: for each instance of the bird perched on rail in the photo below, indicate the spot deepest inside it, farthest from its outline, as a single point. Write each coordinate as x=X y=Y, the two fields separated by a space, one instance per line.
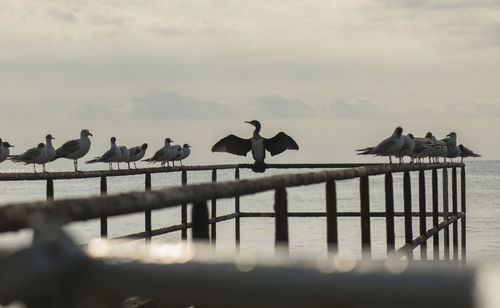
x=75 y=149
x=183 y=153
x=136 y=153
x=162 y=154
x=258 y=144
x=4 y=150
x=112 y=155
x=387 y=147
x=41 y=155
x=466 y=152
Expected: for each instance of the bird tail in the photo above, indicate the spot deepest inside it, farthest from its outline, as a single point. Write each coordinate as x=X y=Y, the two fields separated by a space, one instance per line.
x=14 y=158
x=259 y=167
x=365 y=151
x=95 y=160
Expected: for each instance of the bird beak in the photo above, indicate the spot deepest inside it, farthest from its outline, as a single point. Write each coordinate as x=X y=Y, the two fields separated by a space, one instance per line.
x=91 y=135
x=247 y=122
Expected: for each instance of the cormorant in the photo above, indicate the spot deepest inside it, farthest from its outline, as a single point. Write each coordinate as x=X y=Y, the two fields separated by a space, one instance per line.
x=258 y=144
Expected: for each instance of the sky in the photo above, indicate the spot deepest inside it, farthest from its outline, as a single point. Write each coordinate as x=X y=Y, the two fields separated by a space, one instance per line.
x=334 y=75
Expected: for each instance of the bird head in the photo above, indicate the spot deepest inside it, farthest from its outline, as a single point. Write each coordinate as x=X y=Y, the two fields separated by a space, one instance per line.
x=428 y=135
x=41 y=145
x=452 y=135
x=168 y=140
x=254 y=123
x=144 y=146
x=49 y=137
x=398 y=131
x=461 y=147
x=7 y=145
x=113 y=139
x=85 y=133
x=410 y=135
x=186 y=145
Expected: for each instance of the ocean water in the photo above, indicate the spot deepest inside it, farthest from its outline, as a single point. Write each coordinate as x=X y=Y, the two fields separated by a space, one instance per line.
x=307 y=235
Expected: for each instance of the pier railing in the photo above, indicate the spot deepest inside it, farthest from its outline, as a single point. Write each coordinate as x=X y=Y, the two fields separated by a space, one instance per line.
x=18 y=216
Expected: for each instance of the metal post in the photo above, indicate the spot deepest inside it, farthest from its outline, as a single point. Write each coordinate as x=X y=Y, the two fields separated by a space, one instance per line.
x=104 y=219
x=184 y=208
x=213 y=228
x=462 y=208
x=435 y=212
x=454 y=195
x=446 y=215
x=422 y=212
x=408 y=214
x=281 y=220
x=237 y=212
x=331 y=217
x=365 y=217
x=389 y=210
x=200 y=221
x=50 y=190
x=147 y=213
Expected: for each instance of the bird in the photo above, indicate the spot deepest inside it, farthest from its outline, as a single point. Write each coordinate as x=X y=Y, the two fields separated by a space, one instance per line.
x=257 y=144
x=387 y=147
x=451 y=144
x=408 y=147
x=183 y=153
x=31 y=156
x=160 y=155
x=50 y=152
x=4 y=150
x=75 y=149
x=466 y=152
x=124 y=155
x=437 y=149
x=136 y=153
x=110 y=156
x=421 y=149
x=171 y=154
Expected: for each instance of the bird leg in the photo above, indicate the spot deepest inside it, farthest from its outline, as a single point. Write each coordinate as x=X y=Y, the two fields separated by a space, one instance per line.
x=173 y=163
x=135 y=165
x=75 y=164
x=180 y=162
x=390 y=160
x=34 y=168
x=43 y=168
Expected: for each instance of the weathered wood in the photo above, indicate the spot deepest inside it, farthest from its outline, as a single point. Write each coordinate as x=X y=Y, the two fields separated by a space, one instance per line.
x=213 y=227
x=237 y=211
x=281 y=221
x=389 y=209
x=364 y=193
x=200 y=221
x=435 y=210
x=446 y=232
x=104 y=218
x=331 y=217
x=422 y=211
x=184 y=207
x=50 y=190
x=454 y=208
x=147 y=212
x=463 y=196
x=407 y=209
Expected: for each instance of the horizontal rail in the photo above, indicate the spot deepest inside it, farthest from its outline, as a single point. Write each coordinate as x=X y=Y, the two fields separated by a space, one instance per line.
x=339 y=214
x=26 y=176
x=17 y=216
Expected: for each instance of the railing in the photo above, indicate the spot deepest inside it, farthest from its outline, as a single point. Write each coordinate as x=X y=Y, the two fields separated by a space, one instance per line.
x=18 y=216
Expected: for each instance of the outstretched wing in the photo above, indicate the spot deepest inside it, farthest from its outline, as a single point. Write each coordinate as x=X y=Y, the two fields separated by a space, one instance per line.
x=280 y=143
x=234 y=145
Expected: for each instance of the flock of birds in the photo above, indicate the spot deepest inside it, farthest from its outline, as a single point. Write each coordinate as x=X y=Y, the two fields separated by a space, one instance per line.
x=417 y=149
x=397 y=145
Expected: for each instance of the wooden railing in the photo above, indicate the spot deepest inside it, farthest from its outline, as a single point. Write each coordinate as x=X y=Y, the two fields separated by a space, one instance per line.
x=17 y=216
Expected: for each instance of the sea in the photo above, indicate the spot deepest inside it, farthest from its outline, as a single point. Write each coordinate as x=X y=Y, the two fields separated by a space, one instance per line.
x=307 y=235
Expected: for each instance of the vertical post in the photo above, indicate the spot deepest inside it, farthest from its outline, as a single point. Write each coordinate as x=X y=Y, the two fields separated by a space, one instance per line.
x=435 y=213
x=50 y=190
x=408 y=214
x=462 y=208
x=213 y=229
x=423 y=212
x=147 y=212
x=446 y=215
x=365 y=217
x=104 y=219
x=200 y=221
x=237 y=212
x=331 y=217
x=389 y=210
x=184 y=208
x=454 y=196
x=281 y=220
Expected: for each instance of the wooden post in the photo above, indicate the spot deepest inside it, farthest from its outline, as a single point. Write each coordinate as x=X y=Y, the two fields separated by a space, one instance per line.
x=365 y=217
x=408 y=214
x=331 y=217
x=213 y=228
x=104 y=219
x=237 y=212
x=200 y=221
x=184 y=208
x=435 y=212
x=147 y=213
x=50 y=190
x=454 y=196
x=389 y=209
x=281 y=220
x=422 y=212
x=446 y=233
x=462 y=208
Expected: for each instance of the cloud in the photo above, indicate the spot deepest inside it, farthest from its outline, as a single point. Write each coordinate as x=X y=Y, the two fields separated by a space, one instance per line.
x=276 y=106
x=168 y=104
x=60 y=15
x=358 y=108
x=93 y=111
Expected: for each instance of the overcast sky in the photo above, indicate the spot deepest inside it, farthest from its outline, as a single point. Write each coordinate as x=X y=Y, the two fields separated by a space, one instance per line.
x=335 y=75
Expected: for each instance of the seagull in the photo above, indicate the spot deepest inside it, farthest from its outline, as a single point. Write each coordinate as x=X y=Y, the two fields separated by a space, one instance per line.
x=160 y=155
x=124 y=155
x=422 y=147
x=110 y=156
x=465 y=152
x=172 y=153
x=4 y=150
x=387 y=147
x=50 y=152
x=451 y=144
x=31 y=156
x=183 y=153
x=136 y=153
x=408 y=147
x=258 y=144
x=75 y=149
x=438 y=148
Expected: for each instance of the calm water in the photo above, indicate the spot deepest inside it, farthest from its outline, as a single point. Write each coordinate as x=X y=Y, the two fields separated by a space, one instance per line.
x=307 y=235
